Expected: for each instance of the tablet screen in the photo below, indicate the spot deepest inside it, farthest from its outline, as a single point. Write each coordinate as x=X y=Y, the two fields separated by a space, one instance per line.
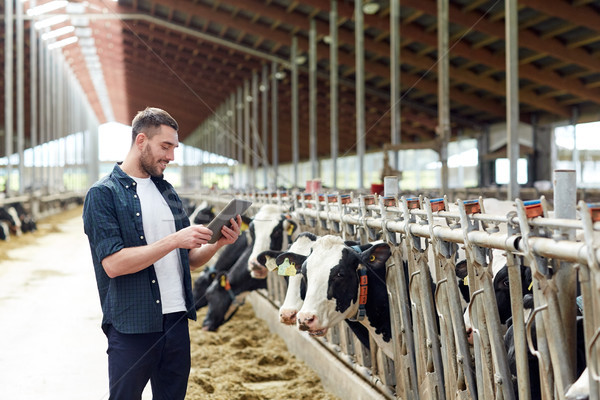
x=235 y=207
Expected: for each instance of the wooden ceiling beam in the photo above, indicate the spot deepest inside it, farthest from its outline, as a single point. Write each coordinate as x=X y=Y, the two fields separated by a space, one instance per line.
x=577 y=15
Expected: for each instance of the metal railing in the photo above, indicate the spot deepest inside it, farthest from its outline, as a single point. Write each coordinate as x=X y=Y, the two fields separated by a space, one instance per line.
x=432 y=355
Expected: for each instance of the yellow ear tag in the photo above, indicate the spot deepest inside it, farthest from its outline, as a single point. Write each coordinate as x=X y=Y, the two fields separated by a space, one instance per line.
x=286 y=268
x=466 y=281
x=530 y=286
x=244 y=227
x=372 y=258
x=290 y=230
x=223 y=281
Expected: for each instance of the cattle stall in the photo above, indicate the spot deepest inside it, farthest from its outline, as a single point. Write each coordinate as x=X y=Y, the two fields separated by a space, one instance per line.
x=446 y=346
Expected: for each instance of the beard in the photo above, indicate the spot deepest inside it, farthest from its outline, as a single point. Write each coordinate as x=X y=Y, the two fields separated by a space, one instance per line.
x=149 y=164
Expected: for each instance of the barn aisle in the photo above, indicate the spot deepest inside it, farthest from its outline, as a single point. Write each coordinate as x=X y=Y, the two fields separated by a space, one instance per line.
x=52 y=346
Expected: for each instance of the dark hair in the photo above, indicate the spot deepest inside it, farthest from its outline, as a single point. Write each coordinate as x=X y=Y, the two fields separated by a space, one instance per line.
x=149 y=120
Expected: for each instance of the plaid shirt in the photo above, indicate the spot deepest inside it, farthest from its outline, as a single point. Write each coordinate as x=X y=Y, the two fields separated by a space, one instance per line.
x=112 y=220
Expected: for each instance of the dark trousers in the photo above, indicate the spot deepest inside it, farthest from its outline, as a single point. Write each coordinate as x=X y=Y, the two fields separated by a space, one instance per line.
x=162 y=357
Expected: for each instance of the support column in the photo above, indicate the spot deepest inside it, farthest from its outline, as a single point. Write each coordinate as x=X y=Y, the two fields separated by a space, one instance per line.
x=333 y=89
x=294 y=105
x=395 y=124
x=512 y=94
x=264 y=88
x=247 y=135
x=312 y=98
x=443 y=89
x=360 y=90
x=8 y=89
x=275 y=122
x=255 y=137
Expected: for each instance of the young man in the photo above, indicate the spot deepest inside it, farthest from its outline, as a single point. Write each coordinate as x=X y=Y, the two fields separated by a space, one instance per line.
x=143 y=248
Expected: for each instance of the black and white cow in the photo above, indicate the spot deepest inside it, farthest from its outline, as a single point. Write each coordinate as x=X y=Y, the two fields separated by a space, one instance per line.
x=224 y=262
x=296 y=284
x=343 y=283
x=4 y=231
x=227 y=291
x=271 y=229
x=202 y=214
x=10 y=217
x=28 y=223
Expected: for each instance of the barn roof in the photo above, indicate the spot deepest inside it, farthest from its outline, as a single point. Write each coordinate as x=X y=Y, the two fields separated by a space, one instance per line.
x=190 y=56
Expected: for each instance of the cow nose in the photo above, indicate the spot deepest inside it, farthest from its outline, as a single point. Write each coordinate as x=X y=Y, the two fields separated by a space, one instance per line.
x=306 y=321
x=469 y=332
x=287 y=317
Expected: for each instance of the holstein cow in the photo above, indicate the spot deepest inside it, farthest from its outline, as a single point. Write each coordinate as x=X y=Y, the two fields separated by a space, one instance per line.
x=202 y=214
x=28 y=224
x=271 y=230
x=345 y=283
x=296 y=289
x=10 y=216
x=226 y=260
x=227 y=291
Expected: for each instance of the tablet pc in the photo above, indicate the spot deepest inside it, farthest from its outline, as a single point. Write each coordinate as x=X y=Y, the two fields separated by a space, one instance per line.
x=235 y=207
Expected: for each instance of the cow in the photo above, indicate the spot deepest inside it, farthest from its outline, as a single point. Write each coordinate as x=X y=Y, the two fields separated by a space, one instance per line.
x=9 y=216
x=576 y=390
x=28 y=223
x=227 y=291
x=4 y=231
x=344 y=283
x=202 y=214
x=271 y=230
x=224 y=262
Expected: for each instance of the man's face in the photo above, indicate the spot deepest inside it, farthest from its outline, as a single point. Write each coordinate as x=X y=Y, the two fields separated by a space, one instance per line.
x=158 y=151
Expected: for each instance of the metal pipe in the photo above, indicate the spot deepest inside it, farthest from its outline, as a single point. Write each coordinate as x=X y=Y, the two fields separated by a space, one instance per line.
x=274 y=122
x=239 y=136
x=512 y=93
x=443 y=88
x=396 y=136
x=20 y=94
x=565 y=201
x=33 y=106
x=333 y=89
x=8 y=90
x=255 y=137
x=312 y=98
x=265 y=123
x=247 y=134
x=360 y=90
x=295 y=138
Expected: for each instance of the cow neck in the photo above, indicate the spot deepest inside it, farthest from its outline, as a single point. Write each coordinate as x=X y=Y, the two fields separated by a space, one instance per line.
x=363 y=285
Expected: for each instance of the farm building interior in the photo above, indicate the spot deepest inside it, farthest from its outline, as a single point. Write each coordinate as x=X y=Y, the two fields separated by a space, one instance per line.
x=456 y=98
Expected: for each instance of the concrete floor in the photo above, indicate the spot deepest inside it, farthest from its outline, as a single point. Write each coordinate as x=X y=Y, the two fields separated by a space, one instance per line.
x=51 y=344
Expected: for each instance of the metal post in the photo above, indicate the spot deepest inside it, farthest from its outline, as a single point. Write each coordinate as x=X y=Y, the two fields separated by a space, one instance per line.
x=333 y=88
x=574 y=119
x=239 y=135
x=512 y=94
x=8 y=89
x=565 y=202
x=265 y=123
x=255 y=137
x=33 y=115
x=295 y=138
x=443 y=89
x=312 y=99
x=274 y=122
x=20 y=94
x=395 y=79
x=360 y=90
x=247 y=134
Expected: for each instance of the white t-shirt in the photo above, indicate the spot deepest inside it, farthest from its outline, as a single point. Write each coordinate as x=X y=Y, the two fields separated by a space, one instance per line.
x=158 y=222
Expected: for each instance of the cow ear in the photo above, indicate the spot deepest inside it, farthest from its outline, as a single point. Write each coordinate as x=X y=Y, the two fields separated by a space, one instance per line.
x=376 y=255
x=268 y=259
x=245 y=223
x=290 y=226
x=290 y=263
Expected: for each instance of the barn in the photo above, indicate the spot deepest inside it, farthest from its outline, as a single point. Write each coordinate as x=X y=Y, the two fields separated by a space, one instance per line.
x=424 y=179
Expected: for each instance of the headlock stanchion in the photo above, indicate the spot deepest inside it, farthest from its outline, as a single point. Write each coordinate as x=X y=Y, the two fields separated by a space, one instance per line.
x=433 y=356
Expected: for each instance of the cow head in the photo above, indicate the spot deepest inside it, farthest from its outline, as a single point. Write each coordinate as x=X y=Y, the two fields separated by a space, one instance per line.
x=220 y=301
x=270 y=230
x=201 y=285
x=332 y=272
x=296 y=283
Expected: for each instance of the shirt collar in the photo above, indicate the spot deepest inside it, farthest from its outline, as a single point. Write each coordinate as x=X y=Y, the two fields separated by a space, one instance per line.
x=126 y=180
